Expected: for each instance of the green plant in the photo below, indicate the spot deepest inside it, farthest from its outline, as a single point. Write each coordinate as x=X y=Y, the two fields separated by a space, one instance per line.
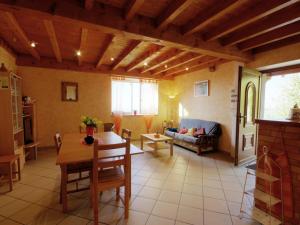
x=89 y=121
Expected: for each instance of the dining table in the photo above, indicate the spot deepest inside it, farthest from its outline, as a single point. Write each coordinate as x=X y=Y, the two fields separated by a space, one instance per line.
x=73 y=151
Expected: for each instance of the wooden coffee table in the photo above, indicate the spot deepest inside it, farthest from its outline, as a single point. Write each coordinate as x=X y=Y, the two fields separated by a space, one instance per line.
x=155 y=141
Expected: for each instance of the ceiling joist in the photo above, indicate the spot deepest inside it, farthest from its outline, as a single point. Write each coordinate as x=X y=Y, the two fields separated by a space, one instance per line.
x=262 y=9
x=53 y=40
x=132 y=8
x=107 y=42
x=83 y=39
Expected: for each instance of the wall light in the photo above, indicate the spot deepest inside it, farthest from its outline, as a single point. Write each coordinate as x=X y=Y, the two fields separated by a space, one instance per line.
x=78 y=53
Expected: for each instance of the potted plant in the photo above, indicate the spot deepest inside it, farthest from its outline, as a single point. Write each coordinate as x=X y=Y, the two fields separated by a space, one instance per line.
x=90 y=124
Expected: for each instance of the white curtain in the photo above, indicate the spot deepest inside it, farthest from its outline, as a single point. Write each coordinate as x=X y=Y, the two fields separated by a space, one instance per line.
x=149 y=98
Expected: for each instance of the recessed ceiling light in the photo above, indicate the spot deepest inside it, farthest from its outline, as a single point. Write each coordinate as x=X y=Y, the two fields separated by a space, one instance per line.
x=186 y=68
x=78 y=53
x=112 y=59
x=166 y=66
x=33 y=44
x=145 y=64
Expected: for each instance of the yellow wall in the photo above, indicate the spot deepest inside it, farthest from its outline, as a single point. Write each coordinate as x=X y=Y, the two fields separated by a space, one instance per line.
x=54 y=115
x=215 y=107
x=8 y=60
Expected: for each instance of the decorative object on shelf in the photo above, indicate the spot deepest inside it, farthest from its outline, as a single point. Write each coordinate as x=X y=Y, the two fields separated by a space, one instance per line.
x=117 y=118
x=201 y=88
x=89 y=140
x=295 y=112
x=148 y=122
x=69 y=91
x=90 y=124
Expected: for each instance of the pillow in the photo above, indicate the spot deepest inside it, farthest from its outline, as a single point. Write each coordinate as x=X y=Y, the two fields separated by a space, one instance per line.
x=191 y=131
x=200 y=131
x=172 y=129
x=183 y=131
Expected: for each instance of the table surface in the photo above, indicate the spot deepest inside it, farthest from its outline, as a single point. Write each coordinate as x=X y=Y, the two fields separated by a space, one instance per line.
x=74 y=151
x=152 y=138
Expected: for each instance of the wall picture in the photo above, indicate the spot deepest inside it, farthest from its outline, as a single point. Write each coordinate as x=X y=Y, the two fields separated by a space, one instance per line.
x=201 y=88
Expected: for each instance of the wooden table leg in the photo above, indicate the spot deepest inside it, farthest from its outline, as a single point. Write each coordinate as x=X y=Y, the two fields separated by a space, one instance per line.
x=19 y=168
x=142 y=142
x=10 y=176
x=64 y=187
x=171 y=147
x=129 y=188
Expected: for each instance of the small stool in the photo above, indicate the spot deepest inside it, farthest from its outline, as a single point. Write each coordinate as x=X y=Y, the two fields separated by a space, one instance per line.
x=9 y=160
x=31 y=149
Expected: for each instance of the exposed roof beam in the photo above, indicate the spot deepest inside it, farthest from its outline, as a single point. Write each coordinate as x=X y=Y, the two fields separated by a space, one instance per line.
x=201 y=67
x=53 y=40
x=277 y=44
x=106 y=43
x=110 y=20
x=18 y=31
x=187 y=66
x=8 y=48
x=152 y=51
x=24 y=60
x=278 y=19
x=83 y=39
x=213 y=13
x=188 y=57
x=262 y=9
x=88 y=4
x=272 y=36
x=132 y=8
x=164 y=59
x=133 y=44
x=171 y=12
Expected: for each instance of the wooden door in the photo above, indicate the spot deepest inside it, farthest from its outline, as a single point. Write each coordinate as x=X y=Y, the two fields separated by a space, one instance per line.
x=247 y=112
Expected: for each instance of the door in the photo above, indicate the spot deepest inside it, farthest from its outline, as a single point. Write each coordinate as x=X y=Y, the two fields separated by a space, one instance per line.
x=247 y=112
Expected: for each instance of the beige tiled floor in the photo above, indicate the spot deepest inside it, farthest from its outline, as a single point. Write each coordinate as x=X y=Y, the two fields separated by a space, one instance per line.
x=179 y=190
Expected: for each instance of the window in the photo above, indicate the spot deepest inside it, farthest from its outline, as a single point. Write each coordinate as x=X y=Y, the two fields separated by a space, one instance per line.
x=130 y=96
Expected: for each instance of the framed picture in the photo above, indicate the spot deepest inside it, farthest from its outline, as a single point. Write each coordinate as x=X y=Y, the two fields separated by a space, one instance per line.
x=201 y=88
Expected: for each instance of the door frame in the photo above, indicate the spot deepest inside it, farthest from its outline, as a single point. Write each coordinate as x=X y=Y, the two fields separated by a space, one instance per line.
x=237 y=124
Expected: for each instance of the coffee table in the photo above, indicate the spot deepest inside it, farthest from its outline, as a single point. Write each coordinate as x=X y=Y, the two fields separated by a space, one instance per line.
x=155 y=141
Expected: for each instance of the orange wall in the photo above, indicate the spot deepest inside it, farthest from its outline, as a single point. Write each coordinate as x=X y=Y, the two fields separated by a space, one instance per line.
x=54 y=115
x=215 y=107
x=8 y=60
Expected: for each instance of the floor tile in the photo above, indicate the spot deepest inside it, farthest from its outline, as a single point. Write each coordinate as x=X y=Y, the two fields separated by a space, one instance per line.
x=28 y=214
x=110 y=214
x=135 y=218
x=190 y=215
x=215 y=205
x=173 y=186
x=155 y=220
x=8 y=222
x=149 y=192
x=213 y=218
x=213 y=193
x=166 y=210
x=192 y=189
x=212 y=183
x=143 y=204
x=243 y=221
x=48 y=217
x=234 y=208
x=13 y=207
x=155 y=183
x=191 y=200
x=74 y=220
x=5 y=199
x=170 y=196
x=233 y=196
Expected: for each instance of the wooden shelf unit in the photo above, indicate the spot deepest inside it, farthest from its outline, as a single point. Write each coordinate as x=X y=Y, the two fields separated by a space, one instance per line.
x=11 y=129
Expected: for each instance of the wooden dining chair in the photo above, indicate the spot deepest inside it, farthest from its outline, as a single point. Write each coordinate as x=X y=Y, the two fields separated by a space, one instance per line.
x=126 y=133
x=78 y=169
x=115 y=175
x=108 y=127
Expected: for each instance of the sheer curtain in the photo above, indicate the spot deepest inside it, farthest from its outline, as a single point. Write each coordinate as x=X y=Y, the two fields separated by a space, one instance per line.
x=129 y=95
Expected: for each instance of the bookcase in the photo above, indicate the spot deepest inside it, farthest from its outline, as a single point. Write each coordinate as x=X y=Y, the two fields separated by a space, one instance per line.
x=11 y=120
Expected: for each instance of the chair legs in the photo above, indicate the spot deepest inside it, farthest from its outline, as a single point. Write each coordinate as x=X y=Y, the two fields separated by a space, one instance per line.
x=117 y=194
x=126 y=201
x=95 y=206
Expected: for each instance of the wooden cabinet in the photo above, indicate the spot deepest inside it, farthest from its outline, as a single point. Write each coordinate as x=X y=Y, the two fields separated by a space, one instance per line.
x=11 y=121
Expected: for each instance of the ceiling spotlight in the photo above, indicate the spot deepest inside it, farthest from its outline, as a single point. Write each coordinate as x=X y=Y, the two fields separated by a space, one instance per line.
x=186 y=68
x=145 y=64
x=166 y=66
x=78 y=53
x=33 y=44
x=112 y=59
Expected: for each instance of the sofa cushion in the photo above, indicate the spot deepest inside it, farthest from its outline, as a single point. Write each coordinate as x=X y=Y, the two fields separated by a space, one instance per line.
x=211 y=127
x=170 y=133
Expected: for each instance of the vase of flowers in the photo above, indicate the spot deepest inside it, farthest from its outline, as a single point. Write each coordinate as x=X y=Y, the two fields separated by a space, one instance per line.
x=90 y=124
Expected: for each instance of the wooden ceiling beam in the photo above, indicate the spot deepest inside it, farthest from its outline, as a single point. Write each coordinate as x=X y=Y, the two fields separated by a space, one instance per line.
x=53 y=40
x=262 y=9
x=188 y=57
x=272 y=36
x=202 y=66
x=171 y=12
x=110 y=20
x=153 y=50
x=83 y=39
x=215 y=12
x=187 y=66
x=132 y=45
x=164 y=59
x=277 y=44
x=89 y=4
x=8 y=48
x=18 y=31
x=106 y=43
x=51 y=63
x=278 y=19
x=132 y=8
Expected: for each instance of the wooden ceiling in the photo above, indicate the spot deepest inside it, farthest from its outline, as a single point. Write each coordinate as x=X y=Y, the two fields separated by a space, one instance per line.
x=146 y=38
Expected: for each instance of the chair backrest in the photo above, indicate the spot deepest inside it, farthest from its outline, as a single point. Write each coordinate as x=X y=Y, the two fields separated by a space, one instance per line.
x=126 y=133
x=82 y=129
x=108 y=127
x=57 y=141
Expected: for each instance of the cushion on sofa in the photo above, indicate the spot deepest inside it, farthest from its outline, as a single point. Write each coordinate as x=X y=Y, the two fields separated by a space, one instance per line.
x=211 y=127
x=170 y=133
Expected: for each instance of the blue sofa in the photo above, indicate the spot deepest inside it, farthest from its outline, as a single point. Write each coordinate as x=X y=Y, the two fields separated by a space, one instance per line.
x=203 y=143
